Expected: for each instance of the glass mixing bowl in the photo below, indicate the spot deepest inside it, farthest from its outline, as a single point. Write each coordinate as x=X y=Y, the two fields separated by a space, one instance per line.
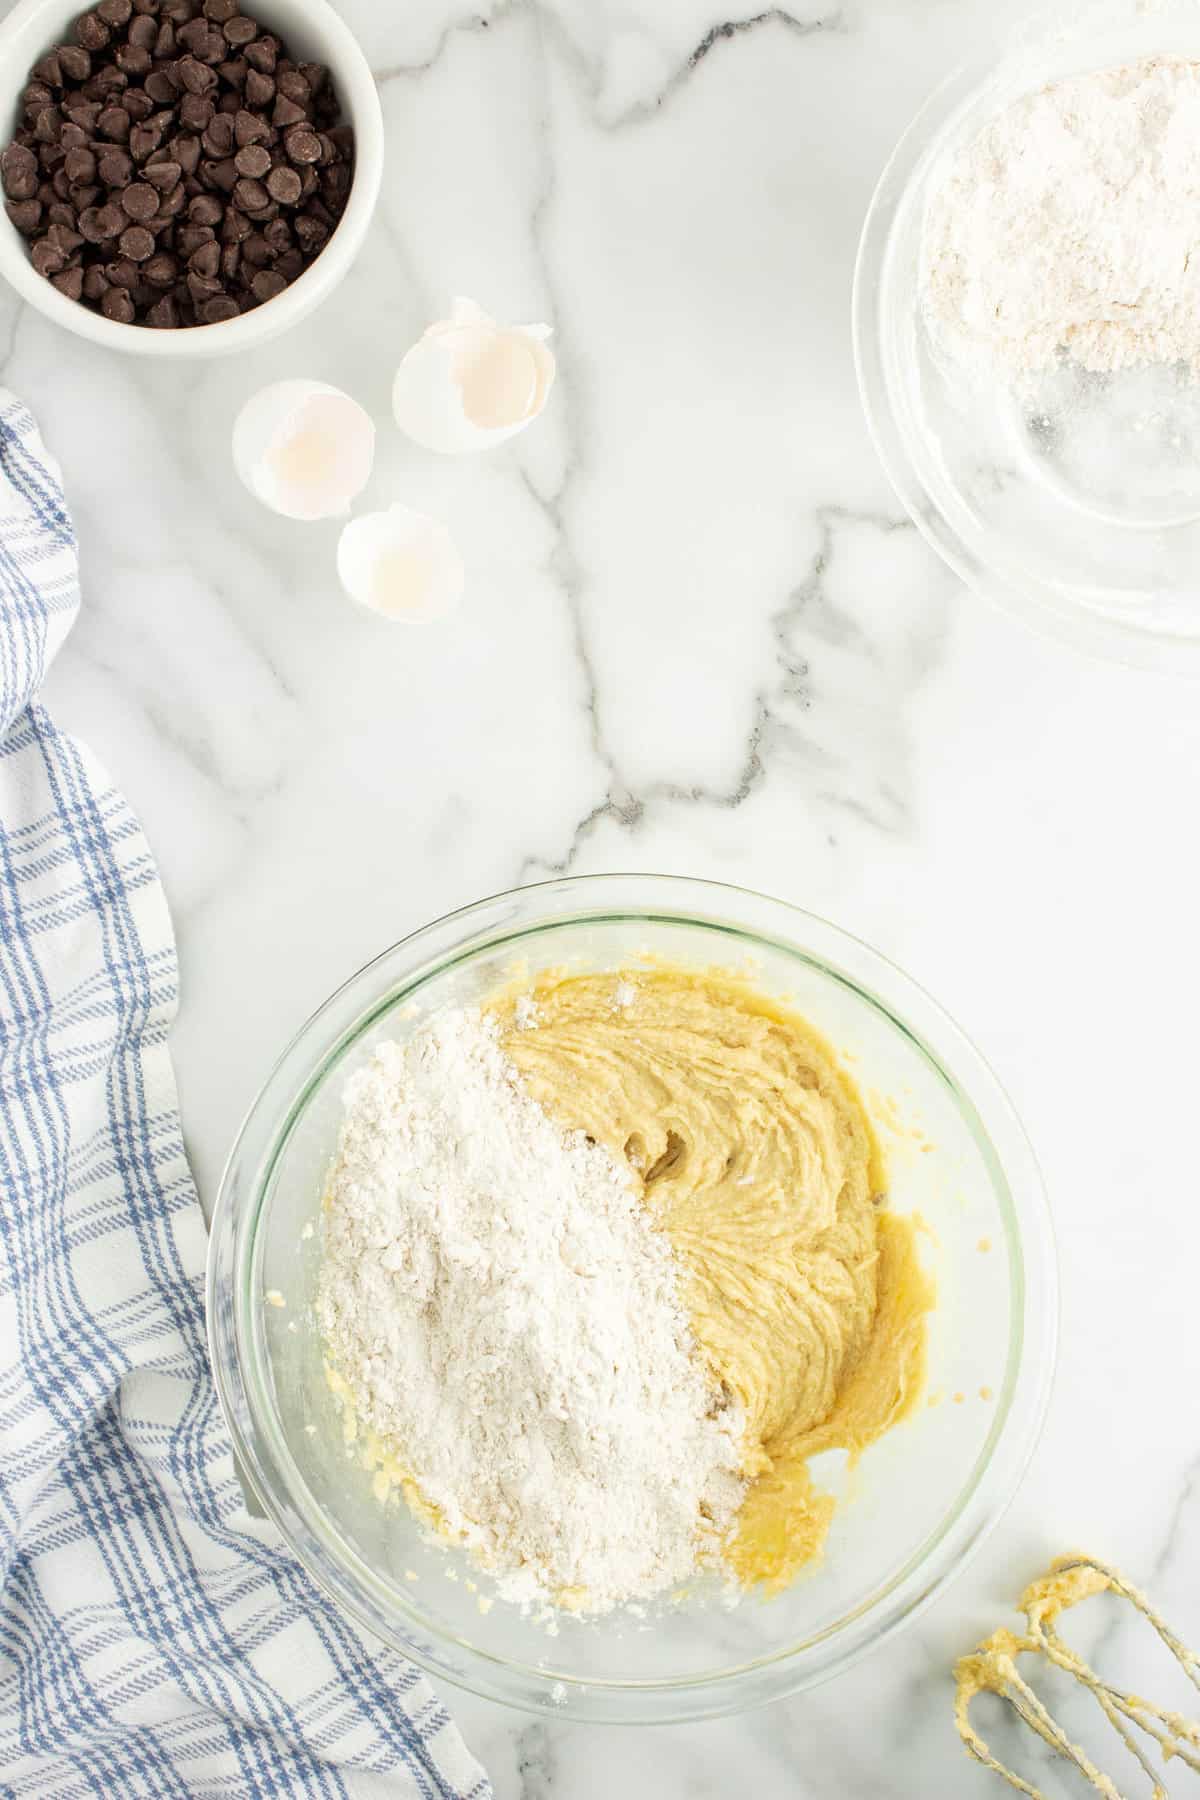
x=912 y=1511
x=1075 y=501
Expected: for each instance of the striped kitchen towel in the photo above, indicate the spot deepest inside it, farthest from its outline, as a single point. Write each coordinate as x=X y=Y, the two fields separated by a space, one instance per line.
x=154 y=1639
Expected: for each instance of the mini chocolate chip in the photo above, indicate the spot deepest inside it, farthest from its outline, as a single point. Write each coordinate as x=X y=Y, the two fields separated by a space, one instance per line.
x=190 y=237
x=161 y=88
x=316 y=75
x=108 y=81
x=115 y=168
x=162 y=175
x=267 y=283
x=164 y=314
x=284 y=185
x=165 y=43
x=219 y=308
x=137 y=243
x=47 y=125
x=231 y=256
x=171 y=207
x=218 y=139
x=287 y=113
x=140 y=201
x=223 y=174
x=202 y=287
x=60 y=213
x=84 y=194
x=70 y=283
x=98 y=223
x=134 y=62
x=260 y=89
x=196 y=111
x=191 y=31
x=195 y=76
x=75 y=62
x=206 y=260
x=83 y=113
x=291 y=83
x=65 y=238
x=48 y=69
x=186 y=150
x=302 y=145
x=143 y=33
x=278 y=235
x=47 y=258
x=253 y=160
x=144 y=140
x=235 y=226
x=220 y=11
x=61 y=183
x=26 y=215
x=250 y=128
x=205 y=209
x=310 y=233
x=262 y=55
x=95 y=282
x=249 y=196
x=239 y=31
x=19 y=172
x=115 y=12
x=138 y=105
x=233 y=71
x=290 y=264
x=91 y=30
x=114 y=123
x=117 y=305
x=256 y=251
x=161 y=269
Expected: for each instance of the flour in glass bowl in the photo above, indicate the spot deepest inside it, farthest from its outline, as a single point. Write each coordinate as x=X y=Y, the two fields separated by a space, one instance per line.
x=1071 y=225
x=499 y=1309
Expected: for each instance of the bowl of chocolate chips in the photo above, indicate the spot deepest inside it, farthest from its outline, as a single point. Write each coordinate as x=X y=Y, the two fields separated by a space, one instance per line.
x=183 y=176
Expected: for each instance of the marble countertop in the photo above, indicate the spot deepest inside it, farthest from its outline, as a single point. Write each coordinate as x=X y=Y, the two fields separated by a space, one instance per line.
x=699 y=637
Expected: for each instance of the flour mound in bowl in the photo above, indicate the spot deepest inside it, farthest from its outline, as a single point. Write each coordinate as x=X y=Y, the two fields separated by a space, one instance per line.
x=504 y=1318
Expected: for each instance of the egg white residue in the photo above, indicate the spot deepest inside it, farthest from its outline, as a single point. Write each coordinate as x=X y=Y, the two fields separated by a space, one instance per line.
x=469 y=383
x=401 y=564
x=304 y=449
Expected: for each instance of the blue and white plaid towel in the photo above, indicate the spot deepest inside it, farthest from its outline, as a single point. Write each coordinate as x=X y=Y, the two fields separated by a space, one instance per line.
x=154 y=1639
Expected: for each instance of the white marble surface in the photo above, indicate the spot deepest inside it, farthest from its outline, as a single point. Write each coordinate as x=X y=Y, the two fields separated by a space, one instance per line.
x=698 y=638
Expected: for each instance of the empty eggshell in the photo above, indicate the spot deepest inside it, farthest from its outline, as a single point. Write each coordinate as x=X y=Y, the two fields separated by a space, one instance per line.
x=400 y=563
x=304 y=449
x=470 y=383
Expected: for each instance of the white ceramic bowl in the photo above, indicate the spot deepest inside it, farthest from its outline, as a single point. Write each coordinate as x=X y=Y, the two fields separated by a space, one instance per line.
x=313 y=32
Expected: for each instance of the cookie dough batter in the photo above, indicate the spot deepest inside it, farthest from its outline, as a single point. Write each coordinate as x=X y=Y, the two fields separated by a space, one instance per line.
x=754 y=1151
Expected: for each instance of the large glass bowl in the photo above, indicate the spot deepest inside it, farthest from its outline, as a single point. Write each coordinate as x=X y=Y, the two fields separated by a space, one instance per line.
x=1074 y=501
x=922 y=1498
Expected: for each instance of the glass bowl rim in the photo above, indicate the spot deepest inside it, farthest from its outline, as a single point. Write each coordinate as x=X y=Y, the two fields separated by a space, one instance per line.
x=1034 y=600
x=235 y=1311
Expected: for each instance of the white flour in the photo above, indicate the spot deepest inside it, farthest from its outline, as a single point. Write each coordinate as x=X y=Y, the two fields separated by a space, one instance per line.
x=1072 y=222
x=504 y=1312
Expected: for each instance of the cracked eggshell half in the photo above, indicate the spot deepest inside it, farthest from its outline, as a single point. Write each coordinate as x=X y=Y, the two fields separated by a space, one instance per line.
x=470 y=383
x=401 y=564
x=304 y=449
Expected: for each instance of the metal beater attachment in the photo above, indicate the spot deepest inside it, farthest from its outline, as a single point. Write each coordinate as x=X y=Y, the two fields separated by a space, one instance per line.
x=993 y=1669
